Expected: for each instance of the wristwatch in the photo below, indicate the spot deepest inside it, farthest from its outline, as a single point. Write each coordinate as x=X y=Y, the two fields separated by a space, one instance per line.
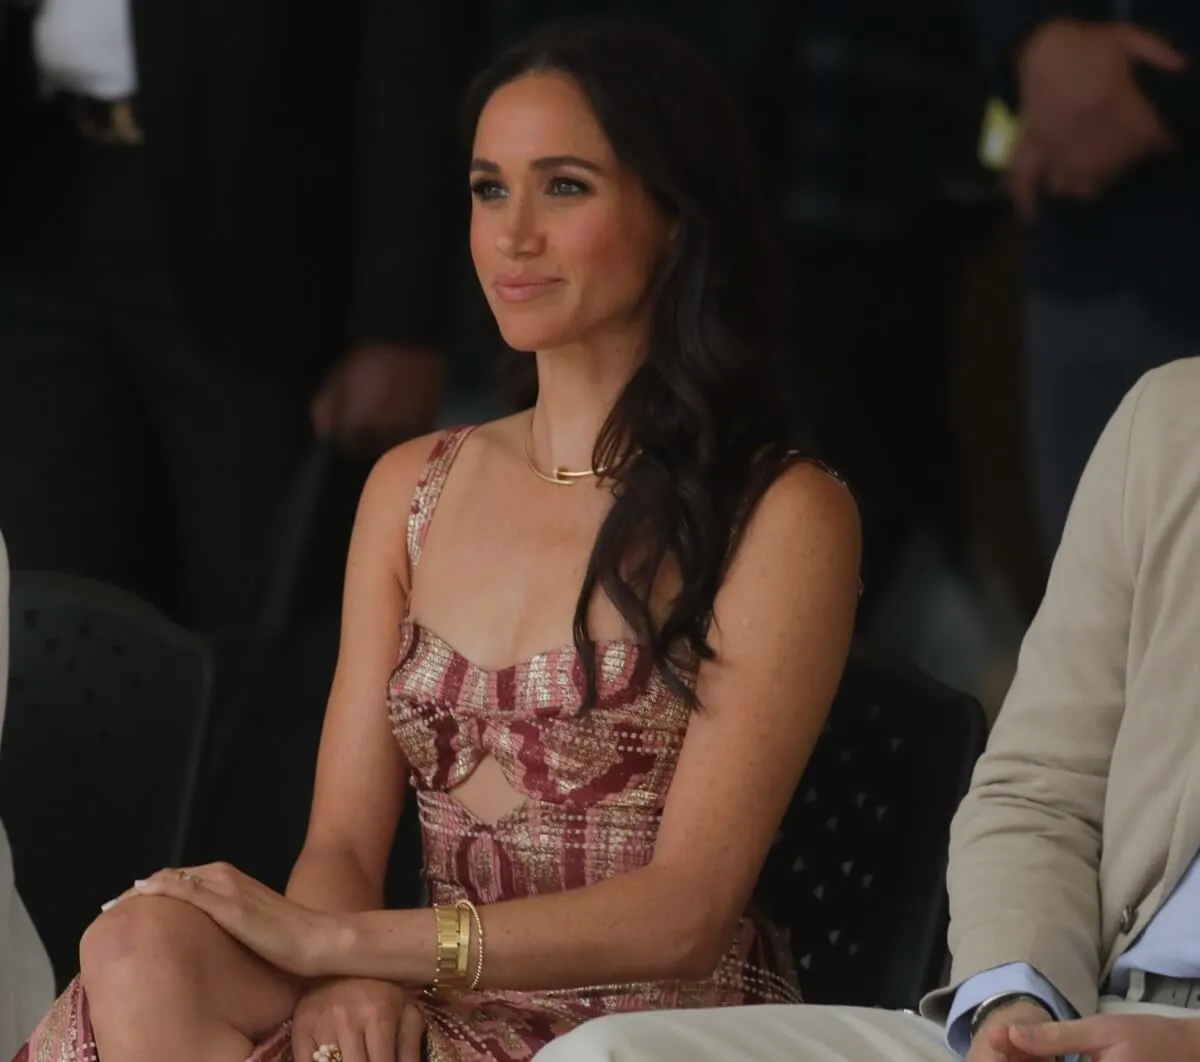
x=1003 y=999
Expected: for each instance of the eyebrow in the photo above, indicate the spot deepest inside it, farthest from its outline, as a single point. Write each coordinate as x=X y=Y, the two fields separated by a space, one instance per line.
x=550 y=162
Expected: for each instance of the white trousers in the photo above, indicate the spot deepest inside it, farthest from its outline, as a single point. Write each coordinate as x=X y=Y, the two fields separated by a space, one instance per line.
x=784 y=1033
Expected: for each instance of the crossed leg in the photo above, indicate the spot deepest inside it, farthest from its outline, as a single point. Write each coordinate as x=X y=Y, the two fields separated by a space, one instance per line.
x=165 y=981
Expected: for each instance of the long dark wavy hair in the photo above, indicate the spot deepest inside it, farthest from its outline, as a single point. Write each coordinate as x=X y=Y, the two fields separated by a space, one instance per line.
x=701 y=429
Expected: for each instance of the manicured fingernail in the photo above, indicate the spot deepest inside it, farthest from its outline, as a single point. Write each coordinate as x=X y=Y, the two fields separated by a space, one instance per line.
x=141 y=883
x=111 y=903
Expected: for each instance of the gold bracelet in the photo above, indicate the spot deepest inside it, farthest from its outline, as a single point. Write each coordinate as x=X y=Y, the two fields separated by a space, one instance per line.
x=468 y=906
x=464 y=944
x=450 y=946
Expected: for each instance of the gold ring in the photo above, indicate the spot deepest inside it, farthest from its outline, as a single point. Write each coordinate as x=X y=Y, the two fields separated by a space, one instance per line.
x=327 y=1053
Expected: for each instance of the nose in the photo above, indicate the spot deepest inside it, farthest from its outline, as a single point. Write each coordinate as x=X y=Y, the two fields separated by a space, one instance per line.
x=520 y=236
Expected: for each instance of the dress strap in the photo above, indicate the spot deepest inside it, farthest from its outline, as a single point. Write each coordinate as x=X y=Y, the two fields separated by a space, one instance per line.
x=429 y=489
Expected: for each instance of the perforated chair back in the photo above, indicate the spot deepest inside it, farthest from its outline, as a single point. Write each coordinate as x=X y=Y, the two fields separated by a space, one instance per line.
x=857 y=872
x=107 y=709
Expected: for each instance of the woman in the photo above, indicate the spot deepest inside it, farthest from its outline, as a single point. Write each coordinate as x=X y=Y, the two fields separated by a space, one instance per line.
x=594 y=814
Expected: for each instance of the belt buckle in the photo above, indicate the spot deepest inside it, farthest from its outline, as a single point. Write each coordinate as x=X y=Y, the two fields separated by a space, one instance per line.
x=122 y=125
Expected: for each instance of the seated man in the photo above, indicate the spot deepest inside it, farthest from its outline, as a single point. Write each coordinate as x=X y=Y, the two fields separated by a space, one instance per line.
x=1074 y=880
x=26 y=982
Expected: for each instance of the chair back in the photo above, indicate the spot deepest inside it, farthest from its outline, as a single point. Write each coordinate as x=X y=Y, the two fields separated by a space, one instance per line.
x=857 y=872
x=107 y=711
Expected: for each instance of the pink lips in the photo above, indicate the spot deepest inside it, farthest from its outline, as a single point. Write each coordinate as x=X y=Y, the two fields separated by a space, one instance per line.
x=524 y=288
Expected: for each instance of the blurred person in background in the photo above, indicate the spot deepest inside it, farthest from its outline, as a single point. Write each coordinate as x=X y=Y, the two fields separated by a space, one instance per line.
x=1106 y=172
x=867 y=113
x=223 y=226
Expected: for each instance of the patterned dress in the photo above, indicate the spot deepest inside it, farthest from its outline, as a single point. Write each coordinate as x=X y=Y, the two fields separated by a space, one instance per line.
x=594 y=787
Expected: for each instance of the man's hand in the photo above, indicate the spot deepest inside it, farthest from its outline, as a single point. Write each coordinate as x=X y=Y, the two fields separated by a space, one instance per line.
x=1082 y=110
x=1026 y=176
x=369 y=1021
x=1110 y=1038
x=379 y=395
x=992 y=1043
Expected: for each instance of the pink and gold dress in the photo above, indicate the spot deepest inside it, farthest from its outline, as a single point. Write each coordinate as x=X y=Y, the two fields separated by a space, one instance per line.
x=594 y=787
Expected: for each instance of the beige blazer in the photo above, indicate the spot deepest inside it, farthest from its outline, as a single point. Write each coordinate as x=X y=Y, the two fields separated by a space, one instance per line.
x=26 y=980
x=1085 y=809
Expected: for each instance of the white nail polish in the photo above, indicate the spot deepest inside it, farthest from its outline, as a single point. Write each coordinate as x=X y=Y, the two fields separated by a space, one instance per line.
x=141 y=883
x=111 y=904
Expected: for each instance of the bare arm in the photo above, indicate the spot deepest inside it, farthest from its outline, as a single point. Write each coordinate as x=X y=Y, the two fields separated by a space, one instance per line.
x=782 y=631
x=360 y=769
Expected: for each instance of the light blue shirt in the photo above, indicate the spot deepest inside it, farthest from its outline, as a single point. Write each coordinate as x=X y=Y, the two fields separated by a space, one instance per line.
x=1169 y=945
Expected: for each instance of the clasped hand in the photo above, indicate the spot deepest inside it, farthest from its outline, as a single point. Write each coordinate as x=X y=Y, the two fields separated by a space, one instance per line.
x=1024 y=1034
x=368 y=1020
x=292 y=938
x=1086 y=120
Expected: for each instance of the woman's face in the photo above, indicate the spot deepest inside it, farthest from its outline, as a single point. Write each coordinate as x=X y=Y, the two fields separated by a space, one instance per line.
x=565 y=239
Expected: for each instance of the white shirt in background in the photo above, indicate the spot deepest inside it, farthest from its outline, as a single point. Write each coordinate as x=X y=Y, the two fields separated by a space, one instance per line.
x=86 y=47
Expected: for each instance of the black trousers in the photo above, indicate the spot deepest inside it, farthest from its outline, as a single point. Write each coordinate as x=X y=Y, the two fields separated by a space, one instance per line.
x=129 y=451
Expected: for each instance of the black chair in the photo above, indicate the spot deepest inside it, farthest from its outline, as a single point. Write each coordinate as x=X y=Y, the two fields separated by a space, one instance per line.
x=107 y=711
x=857 y=872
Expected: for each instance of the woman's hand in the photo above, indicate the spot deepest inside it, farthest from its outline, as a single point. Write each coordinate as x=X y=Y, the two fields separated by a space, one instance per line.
x=290 y=937
x=369 y=1021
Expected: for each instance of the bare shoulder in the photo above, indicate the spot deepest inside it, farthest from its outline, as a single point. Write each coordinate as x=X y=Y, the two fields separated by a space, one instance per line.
x=808 y=512
x=393 y=479
x=381 y=524
x=795 y=576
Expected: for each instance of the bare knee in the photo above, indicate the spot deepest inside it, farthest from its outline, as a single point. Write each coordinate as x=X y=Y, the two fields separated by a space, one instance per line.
x=145 y=940
x=152 y=955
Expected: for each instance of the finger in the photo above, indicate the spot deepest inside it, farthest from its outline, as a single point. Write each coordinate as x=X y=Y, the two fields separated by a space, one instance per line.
x=1002 y=1049
x=1024 y=179
x=1083 y=184
x=108 y=905
x=353 y=1047
x=1057 y=180
x=382 y=1039
x=1053 y=1038
x=1143 y=46
x=412 y=1032
x=304 y=1042
x=997 y=1038
x=180 y=885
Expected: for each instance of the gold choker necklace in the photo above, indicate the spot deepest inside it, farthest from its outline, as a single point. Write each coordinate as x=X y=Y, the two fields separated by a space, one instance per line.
x=562 y=477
